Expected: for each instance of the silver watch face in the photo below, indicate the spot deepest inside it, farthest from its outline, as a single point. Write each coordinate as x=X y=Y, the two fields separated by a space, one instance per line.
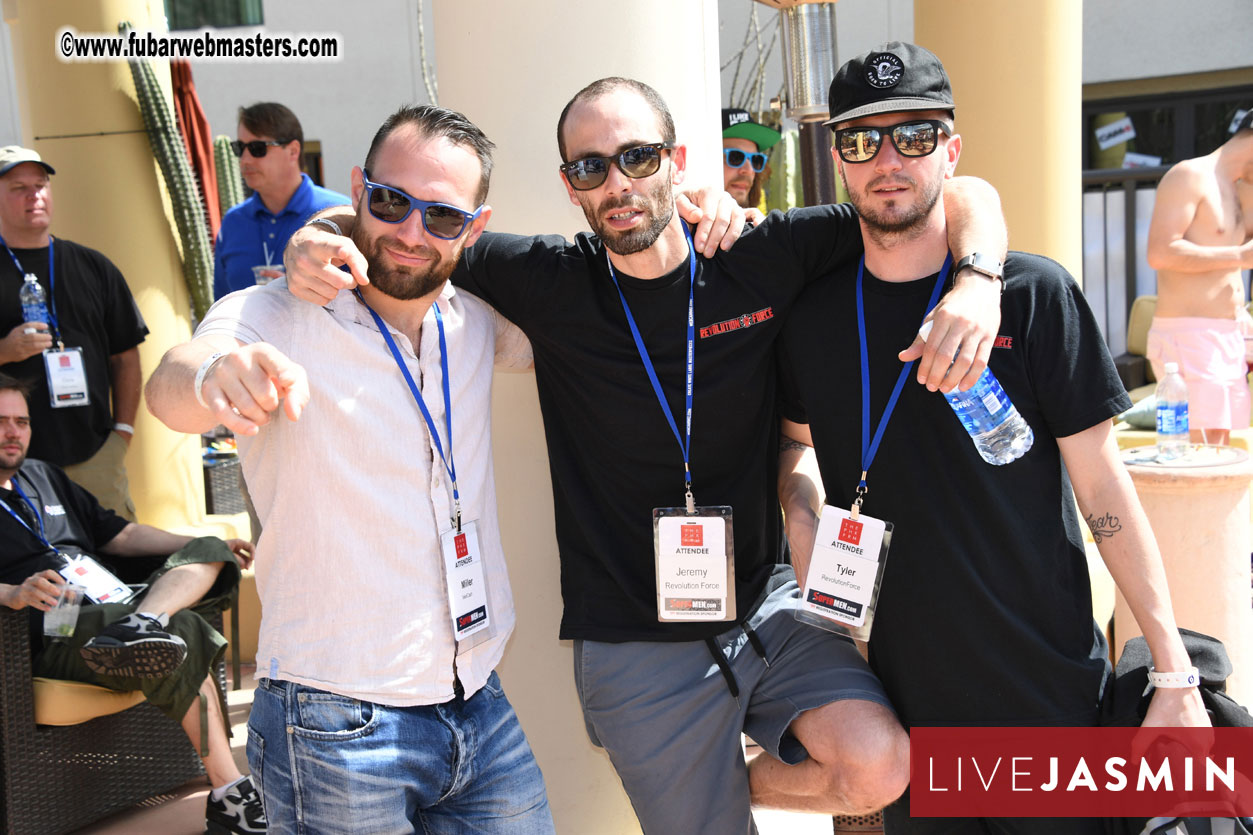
x=982 y=263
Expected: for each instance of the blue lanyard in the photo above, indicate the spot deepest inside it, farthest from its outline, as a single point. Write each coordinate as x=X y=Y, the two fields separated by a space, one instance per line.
x=17 y=488
x=869 y=446
x=685 y=443
x=52 y=284
x=449 y=464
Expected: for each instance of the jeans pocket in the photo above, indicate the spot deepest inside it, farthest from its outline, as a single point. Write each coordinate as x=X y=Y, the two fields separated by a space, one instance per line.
x=494 y=687
x=322 y=715
x=255 y=751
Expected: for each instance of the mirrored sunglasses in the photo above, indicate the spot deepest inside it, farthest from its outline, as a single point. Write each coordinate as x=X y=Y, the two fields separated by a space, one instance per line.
x=736 y=158
x=916 y=138
x=590 y=172
x=257 y=147
x=391 y=205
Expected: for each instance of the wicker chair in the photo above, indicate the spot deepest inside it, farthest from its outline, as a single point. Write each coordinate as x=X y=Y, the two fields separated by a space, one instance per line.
x=57 y=779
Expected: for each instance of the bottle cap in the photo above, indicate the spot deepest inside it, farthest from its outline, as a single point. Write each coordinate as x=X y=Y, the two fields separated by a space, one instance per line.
x=1172 y=368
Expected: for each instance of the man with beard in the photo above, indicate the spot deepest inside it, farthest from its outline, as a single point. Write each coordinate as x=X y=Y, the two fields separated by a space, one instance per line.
x=378 y=708
x=985 y=616
x=672 y=666
x=744 y=146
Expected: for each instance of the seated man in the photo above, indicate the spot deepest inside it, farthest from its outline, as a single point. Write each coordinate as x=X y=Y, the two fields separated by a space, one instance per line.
x=159 y=644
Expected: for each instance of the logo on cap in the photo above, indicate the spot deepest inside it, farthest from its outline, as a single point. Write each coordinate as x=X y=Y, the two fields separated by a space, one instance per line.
x=884 y=70
x=736 y=118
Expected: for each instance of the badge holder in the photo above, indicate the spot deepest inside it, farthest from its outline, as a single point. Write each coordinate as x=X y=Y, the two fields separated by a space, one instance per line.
x=695 y=564
x=846 y=566
x=67 y=377
x=466 y=582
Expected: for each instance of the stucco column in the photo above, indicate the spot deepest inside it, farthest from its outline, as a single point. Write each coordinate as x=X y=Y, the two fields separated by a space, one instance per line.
x=1200 y=517
x=108 y=195
x=1017 y=80
x=527 y=61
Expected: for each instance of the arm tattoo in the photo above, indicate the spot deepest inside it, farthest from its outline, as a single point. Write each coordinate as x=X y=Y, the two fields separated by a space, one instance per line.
x=1104 y=527
x=786 y=443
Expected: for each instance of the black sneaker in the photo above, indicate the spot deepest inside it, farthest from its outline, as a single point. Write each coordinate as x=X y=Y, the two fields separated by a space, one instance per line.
x=137 y=646
x=237 y=813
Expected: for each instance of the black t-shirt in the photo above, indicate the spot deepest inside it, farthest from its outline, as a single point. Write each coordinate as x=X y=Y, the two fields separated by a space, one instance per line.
x=612 y=455
x=73 y=521
x=985 y=613
x=95 y=311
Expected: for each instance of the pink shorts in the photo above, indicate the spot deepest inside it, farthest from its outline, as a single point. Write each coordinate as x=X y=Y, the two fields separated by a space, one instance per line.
x=1211 y=357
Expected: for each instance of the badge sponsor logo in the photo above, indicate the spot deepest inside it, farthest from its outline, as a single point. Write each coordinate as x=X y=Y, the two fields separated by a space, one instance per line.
x=470 y=618
x=459 y=541
x=65 y=361
x=692 y=536
x=850 y=531
x=884 y=71
x=744 y=320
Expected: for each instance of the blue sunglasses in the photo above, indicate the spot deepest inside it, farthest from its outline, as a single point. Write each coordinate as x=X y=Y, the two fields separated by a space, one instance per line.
x=736 y=158
x=391 y=205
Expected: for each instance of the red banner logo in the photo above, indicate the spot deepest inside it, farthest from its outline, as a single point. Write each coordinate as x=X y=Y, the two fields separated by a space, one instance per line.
x=1081 y=772
x=850 y=532
x=692 y=536
x=459 y=542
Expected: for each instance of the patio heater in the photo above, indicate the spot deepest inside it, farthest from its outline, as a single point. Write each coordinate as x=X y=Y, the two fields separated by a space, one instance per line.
x=809 y=65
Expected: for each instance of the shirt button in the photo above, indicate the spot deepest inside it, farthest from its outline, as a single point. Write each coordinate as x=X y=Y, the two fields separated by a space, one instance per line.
x=271 y=234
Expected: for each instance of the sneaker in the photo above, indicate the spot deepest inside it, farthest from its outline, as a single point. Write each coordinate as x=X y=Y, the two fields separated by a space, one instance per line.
x=137 y=646
x=237 y=813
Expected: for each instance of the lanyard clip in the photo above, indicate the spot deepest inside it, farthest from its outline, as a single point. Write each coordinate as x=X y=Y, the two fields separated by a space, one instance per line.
x=862 y=490
x=457 y=512
x=691 y=501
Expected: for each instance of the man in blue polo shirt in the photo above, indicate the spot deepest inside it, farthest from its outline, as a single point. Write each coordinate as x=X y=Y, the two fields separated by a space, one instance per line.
x=250 y=244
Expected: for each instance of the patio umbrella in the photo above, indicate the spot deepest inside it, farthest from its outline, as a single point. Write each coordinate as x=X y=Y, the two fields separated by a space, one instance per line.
x=194 y=126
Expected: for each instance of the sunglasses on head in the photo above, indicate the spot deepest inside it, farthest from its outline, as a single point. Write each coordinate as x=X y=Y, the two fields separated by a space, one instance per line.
x=915 y=138
x=736 y=158
x=257 y=147
x=590 y=172
x=391 y=205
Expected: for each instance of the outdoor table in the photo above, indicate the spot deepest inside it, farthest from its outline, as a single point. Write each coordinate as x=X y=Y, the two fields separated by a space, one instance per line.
x=1198 y=507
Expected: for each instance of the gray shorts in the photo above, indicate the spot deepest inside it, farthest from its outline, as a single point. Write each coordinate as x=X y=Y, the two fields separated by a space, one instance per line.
x=665 y=714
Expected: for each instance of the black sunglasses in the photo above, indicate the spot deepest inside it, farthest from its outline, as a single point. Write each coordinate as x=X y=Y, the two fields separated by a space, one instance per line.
x=590 y=172
x=257 y=147
x=391 y=205
x=736 y=158
x=916 y=138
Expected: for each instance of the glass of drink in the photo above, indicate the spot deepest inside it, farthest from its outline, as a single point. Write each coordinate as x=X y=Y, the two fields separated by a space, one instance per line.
x=265 y=273
x=60 y=620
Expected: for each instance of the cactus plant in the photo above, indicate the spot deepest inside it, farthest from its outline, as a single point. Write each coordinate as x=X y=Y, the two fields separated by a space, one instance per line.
x=171 y=154
x=230 y=183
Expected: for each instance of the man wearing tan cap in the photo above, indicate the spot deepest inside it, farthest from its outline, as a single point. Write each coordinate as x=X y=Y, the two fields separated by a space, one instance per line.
x=83 y=361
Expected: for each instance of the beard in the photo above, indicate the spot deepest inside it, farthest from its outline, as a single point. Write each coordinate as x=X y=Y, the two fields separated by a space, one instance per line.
x=895 y=219
x=657 y=204
x=402 y=282
x=12 y=461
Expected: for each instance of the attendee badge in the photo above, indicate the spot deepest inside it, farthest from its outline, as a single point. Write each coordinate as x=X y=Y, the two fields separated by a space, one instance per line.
x=463 y=571
x=67 y=377
x=102 y=585
x=845 y=572
x=695 y=553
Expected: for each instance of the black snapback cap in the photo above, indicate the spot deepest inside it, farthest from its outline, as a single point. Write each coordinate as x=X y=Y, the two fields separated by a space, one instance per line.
x=892 y=76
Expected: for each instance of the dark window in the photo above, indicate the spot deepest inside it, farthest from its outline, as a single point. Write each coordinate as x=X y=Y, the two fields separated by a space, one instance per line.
x=197 y=14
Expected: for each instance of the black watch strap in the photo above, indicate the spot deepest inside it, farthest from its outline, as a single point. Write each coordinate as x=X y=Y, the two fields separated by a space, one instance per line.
x=986 y=264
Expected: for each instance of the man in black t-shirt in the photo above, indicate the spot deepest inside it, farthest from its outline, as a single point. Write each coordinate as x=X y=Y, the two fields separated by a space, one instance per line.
x=669 y=699
x=985 y=613
x=160 y=644
x=94 y=317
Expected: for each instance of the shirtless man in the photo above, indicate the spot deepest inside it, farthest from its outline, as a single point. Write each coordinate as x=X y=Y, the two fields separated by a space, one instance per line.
x=1200 y=240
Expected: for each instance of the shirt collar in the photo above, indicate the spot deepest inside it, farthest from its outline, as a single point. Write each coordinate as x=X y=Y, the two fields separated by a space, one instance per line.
x=301 y=202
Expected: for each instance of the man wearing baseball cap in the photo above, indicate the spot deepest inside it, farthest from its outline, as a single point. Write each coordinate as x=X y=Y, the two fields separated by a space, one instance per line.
x=744 y=146
x=985 y=614
x=82 y=364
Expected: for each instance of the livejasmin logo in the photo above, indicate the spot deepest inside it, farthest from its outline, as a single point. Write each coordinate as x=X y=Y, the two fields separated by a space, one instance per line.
x=1081 y=772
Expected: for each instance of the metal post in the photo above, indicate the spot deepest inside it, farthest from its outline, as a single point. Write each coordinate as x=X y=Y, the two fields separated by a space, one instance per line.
x=809 y=66
x=817 y=167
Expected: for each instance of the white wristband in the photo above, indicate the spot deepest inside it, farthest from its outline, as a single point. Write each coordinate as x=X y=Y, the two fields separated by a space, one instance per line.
x=202 y=372
x=1179 y=681
x=124 y=427
x=328 y=223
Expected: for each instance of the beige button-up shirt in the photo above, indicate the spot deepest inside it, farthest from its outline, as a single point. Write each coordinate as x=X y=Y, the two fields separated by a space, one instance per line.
x=353 y=497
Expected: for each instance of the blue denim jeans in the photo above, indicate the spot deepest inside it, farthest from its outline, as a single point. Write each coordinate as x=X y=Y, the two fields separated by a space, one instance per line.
x=326 y=763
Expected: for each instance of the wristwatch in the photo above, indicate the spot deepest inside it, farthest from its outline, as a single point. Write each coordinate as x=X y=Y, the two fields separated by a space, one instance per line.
x=980 y=263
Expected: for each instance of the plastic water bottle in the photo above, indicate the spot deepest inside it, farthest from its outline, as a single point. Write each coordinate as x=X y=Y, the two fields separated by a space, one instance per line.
x=34 y=301
x=999 y=432
x=1172 y=414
